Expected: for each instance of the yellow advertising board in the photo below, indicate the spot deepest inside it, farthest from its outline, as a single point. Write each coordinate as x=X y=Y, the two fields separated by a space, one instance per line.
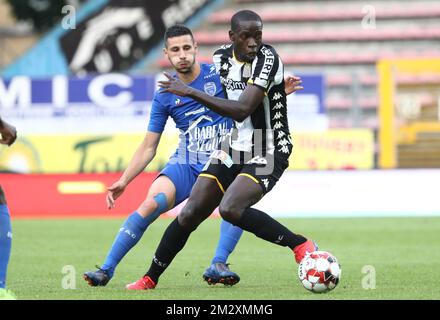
x=334 y=149
x=79 y=153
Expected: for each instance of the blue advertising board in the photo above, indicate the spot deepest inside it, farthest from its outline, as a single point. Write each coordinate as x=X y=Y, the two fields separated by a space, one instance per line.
x=116 y=94
x=106 y=94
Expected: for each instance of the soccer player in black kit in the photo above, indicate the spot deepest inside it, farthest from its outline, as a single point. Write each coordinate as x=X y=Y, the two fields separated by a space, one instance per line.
x=240 y=174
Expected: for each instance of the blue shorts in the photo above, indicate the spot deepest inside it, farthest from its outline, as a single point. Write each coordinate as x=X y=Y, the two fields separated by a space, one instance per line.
x=183 y=176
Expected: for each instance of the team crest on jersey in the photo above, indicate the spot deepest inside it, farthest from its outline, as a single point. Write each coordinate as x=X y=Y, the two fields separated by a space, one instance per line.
x=210 y=88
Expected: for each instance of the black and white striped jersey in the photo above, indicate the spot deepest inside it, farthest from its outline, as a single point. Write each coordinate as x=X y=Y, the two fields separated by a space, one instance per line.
x=266 y=130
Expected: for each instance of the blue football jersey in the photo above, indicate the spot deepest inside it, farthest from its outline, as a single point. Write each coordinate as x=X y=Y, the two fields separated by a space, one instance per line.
x=201 y=130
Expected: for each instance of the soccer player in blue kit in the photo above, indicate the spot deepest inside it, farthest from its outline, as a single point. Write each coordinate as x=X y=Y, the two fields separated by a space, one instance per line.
x=8 y=135
x=201 y=132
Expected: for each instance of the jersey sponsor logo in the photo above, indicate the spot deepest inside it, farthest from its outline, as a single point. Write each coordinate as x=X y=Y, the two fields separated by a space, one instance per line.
x=232 y=84
x=278 y=106
x=206 y=138
x=284 y=149
x=277 y=116
x=177 y=101
x=210 y=88
x=277 y=96
x=281 y=134
x=278 y=125
x=200 y=110
x=269 y=60
x=283 y=142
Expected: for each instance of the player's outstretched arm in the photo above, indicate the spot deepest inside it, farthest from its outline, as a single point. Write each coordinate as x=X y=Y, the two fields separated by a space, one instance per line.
x=239 y=110
x=8 y=133
x=141 y=158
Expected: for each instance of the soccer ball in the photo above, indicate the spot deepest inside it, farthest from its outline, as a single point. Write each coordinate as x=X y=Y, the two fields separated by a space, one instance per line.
x=319 y=272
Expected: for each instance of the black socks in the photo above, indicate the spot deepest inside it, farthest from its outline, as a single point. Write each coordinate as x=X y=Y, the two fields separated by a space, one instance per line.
x=267 y=228
x=173 y=240
x=252 y=220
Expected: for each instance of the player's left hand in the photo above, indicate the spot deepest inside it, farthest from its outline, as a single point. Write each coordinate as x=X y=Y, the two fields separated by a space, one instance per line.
x=174 y=85
x=8 y=133
x=292 y=84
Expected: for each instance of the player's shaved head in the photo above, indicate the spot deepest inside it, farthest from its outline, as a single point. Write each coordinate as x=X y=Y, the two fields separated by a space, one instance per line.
x=246 y=34
x=177 y=31
x=244 y=16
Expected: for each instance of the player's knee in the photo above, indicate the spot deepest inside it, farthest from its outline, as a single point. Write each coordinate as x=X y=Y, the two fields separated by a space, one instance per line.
x=2 y=196
x=149 y=205
x=154 y=205
x=230 y=212
x=188 y=217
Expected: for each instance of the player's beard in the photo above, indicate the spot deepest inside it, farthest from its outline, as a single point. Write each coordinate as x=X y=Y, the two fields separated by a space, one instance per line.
x=184 y=69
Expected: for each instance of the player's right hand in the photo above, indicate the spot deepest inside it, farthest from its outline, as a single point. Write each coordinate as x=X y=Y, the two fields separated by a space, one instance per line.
x=113 y=193
x=292 y=84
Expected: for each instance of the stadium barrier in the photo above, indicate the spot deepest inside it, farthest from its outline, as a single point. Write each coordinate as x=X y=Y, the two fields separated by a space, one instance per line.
x=346 y=193
x=70 y=195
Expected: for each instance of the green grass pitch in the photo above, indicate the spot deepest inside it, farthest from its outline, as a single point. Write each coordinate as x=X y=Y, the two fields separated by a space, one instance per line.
x=403 y=251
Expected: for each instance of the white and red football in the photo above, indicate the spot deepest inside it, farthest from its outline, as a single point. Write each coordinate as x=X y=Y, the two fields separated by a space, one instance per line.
x=319 y=272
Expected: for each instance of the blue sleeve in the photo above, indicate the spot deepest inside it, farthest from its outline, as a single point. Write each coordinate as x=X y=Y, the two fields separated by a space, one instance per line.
x=158 y=116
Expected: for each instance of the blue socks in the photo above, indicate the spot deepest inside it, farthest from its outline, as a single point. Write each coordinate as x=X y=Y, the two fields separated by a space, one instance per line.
x=5 y=243
x=130 y=234
x=229 y=236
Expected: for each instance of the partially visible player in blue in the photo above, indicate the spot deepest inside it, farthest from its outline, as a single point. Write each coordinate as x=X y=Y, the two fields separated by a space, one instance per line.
x=201 y=131
x=8 y=136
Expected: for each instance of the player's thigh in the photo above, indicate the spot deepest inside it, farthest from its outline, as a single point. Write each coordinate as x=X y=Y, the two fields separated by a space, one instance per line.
x=161 y=185
x=204 y=198
x=243 y=193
